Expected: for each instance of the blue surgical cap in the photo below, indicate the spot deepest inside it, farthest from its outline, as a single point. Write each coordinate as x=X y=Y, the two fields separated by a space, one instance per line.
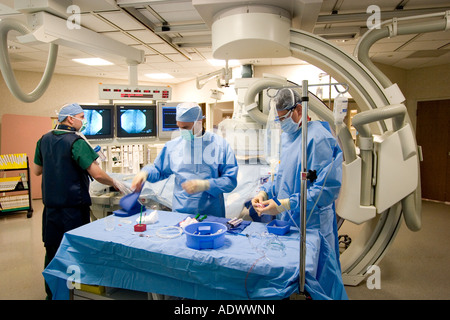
x=69 y=110
x=287 y=99
x=189 y=112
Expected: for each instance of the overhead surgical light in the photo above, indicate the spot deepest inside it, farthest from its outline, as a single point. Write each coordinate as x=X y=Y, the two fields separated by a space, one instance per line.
x=253 y=31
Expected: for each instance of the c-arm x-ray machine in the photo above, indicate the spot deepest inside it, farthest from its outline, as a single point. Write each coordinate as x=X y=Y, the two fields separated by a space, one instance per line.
x=381 y=182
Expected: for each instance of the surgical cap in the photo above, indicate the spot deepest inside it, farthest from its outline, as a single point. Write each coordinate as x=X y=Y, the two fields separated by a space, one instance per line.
x=189 y=112
x=71 y=109
x=286 y=99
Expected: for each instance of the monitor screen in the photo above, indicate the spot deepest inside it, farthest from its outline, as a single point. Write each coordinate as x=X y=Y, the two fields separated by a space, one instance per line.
x=136 y=121
x=100 y=121
x=167 y=120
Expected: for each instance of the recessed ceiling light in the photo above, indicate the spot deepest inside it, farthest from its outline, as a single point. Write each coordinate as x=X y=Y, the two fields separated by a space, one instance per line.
x=93 y=62
x=159 y=75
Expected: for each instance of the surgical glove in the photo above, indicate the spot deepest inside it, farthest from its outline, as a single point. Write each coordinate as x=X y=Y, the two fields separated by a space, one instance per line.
x=194 y=186
x=270 y=207
x=260 y=197
x=119 y=186
x=139 y=180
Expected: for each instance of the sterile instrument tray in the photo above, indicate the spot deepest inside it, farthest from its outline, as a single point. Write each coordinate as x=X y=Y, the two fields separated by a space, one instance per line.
x=278 y=227
x=205 y=235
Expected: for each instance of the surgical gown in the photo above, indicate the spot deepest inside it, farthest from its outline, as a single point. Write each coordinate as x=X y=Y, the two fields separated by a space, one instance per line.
x=208 y=157
x=323 y=155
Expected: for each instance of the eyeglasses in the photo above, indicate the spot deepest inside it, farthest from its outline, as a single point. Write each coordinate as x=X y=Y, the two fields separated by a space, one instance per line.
x=283 y=117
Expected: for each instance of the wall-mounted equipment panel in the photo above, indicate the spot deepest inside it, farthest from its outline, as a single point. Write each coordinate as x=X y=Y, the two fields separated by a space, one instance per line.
x=127 y=92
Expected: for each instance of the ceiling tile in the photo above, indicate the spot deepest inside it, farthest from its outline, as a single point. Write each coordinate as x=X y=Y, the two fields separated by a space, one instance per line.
x=20 y=48
x=389 y=58
x=95 y=24
x=424 y=45
x=163 y=48
x=150 y=16
x=147 y=49
x=181 y=16
x=24 y=65
x=411 y=63
x=155 y=59
x=122 y=20
x=444 y=59
x=397 y=39
x=438 y=35
x=121 y=37
x=146 y=36
x=105 y=17
x=39 y=56
x=167 y=66
x=385 y=47
x=176 y=57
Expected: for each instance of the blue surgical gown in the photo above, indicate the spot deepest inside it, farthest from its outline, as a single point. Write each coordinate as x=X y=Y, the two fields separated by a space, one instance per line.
x=208 y=157
x=323 y=155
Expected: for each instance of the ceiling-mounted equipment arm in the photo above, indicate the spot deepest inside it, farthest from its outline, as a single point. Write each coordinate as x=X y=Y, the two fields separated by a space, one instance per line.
x=51 y=29
x=5 y=65
x=249 y=101
x=224 y=74
x=45 y=27
x=386 y=30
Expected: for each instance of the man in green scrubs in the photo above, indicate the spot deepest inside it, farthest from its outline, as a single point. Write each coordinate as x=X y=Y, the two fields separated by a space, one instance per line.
x=67 y=163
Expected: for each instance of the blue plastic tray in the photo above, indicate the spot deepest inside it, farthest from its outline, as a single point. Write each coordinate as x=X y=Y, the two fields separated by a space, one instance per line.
x=278 y=227
x=205 y=235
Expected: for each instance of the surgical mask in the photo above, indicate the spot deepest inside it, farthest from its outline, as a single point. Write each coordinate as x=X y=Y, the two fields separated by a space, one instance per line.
x=83 y=123
x=290 y=126
x=187 y=134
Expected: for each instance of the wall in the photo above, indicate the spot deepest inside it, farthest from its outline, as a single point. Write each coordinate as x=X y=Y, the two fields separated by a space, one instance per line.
x=187 y=91
x=425 y=84
x=421 y=84
x=62 y=89
x=417 y=84
x=19 y=135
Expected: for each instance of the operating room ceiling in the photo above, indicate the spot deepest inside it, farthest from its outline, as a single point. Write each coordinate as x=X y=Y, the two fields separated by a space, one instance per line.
x=176 y=39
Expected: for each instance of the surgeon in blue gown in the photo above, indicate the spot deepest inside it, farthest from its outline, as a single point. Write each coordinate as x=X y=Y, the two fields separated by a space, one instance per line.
x=324 y=156
x=203 y=163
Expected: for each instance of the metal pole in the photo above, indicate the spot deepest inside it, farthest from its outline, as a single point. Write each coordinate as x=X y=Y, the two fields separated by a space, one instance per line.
x=303 y=185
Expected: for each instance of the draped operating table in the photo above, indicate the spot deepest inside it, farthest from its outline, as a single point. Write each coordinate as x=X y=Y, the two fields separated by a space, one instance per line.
x=245 y=267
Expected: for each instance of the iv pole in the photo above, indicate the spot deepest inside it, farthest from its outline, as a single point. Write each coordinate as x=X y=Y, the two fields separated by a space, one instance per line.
x=304 y=178
x=303 y=186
